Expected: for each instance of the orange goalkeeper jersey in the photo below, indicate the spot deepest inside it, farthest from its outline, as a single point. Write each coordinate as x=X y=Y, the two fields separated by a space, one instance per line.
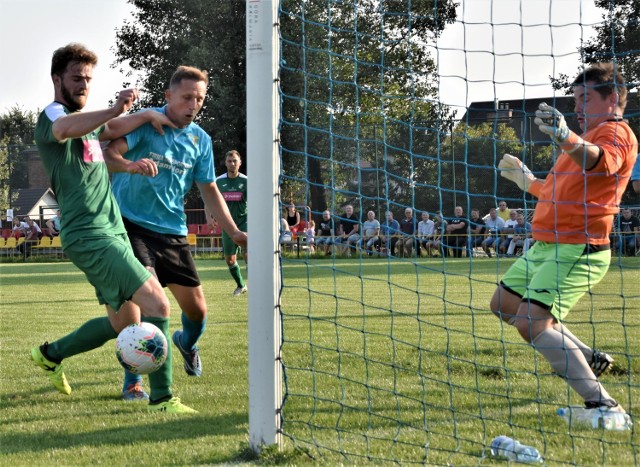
x=577 y=205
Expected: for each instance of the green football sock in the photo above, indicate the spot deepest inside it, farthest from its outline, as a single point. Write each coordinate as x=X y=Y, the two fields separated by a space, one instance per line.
x=160 y=381
x=91 y=335
x=236 y=274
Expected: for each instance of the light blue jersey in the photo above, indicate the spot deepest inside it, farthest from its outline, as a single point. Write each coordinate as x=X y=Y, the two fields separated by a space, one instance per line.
x=183 y=156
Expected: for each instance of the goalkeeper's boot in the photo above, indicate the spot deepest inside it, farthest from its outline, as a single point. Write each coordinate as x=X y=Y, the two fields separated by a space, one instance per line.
x=192 y=363
x=600 y=361
x=173 y=405
x=54 y=370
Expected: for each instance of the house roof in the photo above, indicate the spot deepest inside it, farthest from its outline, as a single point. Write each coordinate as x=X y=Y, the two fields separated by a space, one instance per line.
x=29 y=201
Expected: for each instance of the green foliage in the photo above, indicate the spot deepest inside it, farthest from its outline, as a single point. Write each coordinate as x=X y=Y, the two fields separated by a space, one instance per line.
x=17 y=128
x=164 y=34
x=358 y=82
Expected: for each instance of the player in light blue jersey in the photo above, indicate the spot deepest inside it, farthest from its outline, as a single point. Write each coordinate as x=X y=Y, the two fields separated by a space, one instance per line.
x=152 y=206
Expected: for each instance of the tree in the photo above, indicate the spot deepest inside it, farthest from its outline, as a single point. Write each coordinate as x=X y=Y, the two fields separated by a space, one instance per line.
x=207 y=34
x=17 y=128
x=358 y=83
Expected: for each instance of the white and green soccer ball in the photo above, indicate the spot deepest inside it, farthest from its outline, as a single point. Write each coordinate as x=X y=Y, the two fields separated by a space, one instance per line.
x=141 y=348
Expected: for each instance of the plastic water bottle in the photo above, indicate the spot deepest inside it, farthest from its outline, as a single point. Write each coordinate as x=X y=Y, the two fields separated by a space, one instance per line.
x=503 y=446
x=607 y=420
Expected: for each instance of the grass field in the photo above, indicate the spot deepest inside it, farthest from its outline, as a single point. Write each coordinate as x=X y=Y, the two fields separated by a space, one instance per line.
x=385 y=361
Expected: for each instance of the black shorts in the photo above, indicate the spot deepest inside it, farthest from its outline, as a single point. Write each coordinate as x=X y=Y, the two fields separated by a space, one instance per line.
x=169 y=255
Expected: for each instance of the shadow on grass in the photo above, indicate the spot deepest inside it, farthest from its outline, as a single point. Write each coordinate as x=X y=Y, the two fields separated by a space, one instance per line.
x=143 y=428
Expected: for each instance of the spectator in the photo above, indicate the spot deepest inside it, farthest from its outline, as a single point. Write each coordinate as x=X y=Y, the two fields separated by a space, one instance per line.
x=293 y=218
x=348 y=230
x=32 y=234
x=493 y=226
x=629 y=229
x=370 y=233
x=476 y=230
x=521 y=236
x=425 y=233
x=54 y=224
x=286 y=236
x=389 y=231
x=439 y=236
x=503 y=211
x=458 y=230
x=408 y=231
x=502 y=244
x=19 y=228
x=326 y=233
x=310 y=234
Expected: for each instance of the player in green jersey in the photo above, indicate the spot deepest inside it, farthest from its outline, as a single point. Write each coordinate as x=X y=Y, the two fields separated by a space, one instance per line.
x=233 y=186
x=94 y=237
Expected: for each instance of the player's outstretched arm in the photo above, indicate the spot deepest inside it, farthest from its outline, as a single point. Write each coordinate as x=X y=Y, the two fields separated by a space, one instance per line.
x=551 y=122
x=121 y=126
x=216 y=206
x=116 y=162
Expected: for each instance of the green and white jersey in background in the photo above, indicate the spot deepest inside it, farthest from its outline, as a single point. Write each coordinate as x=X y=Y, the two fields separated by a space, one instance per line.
x=234 y=192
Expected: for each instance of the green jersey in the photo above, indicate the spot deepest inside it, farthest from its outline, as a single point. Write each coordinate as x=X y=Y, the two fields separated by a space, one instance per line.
x=79 y=179
x=234 y=192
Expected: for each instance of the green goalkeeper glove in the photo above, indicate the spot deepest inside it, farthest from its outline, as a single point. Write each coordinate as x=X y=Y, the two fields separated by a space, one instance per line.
x=513 y=169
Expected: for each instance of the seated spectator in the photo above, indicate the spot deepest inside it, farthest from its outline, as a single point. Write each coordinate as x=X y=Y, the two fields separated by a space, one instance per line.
x=19 y=228
x=326 y=233
x=438 y=243
x=33 y=234
x=348 y=231
x=54 y=224
x=408 y=227
x=458 y=230
x=389 y=231
x=521 y=236
x=476 y=231
x=310 y=234
x=286 y=236
x=425 y=233
x=626 y=240
x=506 y=234
x=493 y=226
x=370 y=233
x=504 y=212
x=293 y=218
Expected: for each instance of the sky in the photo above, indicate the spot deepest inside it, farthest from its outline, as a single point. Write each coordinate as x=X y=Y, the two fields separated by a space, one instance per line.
x=511 y=59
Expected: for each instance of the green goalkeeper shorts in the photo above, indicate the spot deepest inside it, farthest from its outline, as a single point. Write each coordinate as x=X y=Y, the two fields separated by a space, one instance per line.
x=110 y=266
x=556 y=275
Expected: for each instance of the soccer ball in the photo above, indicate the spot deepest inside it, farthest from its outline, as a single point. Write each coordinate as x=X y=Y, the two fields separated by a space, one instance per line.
x=141 y=348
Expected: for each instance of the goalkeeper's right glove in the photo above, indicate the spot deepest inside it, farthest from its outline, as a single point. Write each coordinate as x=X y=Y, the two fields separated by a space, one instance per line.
x=513 y=169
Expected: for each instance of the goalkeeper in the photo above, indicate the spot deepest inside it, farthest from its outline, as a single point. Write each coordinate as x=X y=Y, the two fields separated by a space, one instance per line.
x=572 y=222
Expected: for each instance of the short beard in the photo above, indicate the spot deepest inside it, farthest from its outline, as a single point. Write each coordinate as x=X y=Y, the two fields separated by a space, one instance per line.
x=71 y=102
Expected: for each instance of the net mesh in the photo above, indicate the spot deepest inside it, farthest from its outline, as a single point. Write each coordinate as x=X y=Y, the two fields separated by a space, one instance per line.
x=393 y=355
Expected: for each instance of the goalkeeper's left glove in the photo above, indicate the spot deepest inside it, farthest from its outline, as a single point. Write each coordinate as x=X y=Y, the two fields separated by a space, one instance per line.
x=552 y=122
x=513 y=169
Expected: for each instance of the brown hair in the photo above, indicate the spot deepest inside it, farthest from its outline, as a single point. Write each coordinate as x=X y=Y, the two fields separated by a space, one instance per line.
x=73 y=52
x=190 y=73
x=606 y=79
x=232 y=153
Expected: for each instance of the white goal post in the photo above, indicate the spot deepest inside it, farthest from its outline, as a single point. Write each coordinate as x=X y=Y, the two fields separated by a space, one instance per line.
x=263 y=168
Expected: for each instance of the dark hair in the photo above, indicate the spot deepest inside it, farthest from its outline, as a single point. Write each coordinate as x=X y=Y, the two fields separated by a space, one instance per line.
x=71 y=53
x=232 y=153
x=190 y=73
x=606 y=79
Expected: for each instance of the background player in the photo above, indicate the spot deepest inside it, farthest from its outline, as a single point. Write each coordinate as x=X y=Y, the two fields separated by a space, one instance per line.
x=233 y=186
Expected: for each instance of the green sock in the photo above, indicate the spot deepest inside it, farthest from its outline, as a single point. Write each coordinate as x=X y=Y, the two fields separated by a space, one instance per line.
x=236 y=274
x=91 y=335
x=160 y=381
